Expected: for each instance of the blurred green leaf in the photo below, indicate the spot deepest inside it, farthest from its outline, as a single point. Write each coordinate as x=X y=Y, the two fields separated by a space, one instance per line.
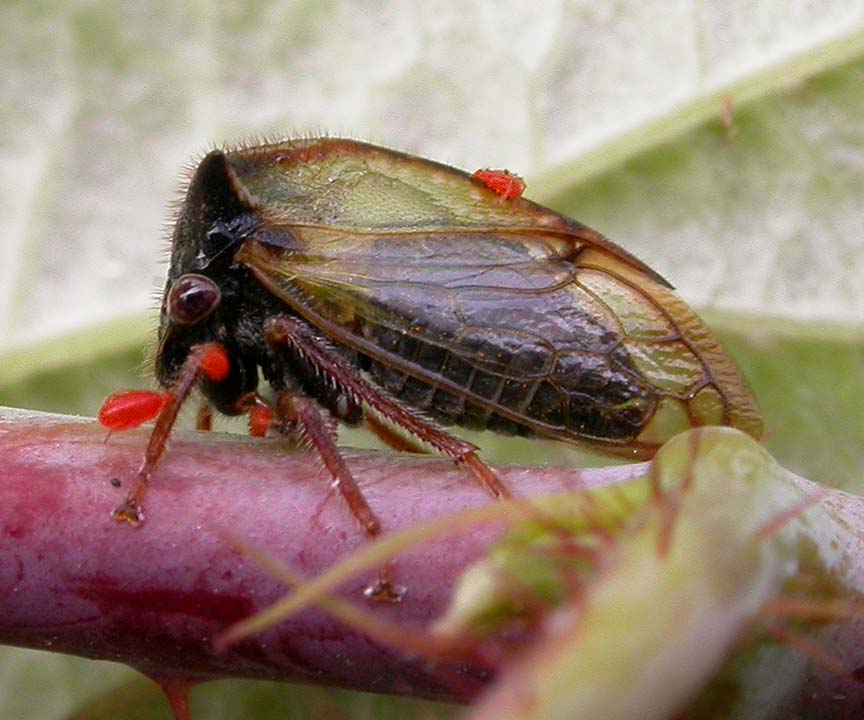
x=644 y=629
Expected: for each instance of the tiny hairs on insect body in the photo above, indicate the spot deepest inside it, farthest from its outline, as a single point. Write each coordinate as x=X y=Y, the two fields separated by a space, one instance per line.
x=368 y=285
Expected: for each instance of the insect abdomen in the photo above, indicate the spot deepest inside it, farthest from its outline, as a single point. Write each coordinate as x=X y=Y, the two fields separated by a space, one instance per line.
x=560 y=400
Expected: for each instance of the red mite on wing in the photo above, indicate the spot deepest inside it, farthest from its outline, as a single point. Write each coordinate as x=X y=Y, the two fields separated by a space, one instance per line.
x=502 y=182
x=364 y=284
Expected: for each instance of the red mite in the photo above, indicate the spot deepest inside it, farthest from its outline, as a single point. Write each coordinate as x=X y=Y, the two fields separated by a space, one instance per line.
x=501 y=182
x=128 y=409
x=369 y=286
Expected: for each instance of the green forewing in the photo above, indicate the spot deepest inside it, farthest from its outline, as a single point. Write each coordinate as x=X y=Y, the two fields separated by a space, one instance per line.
x=357 y=187
x=354 y=186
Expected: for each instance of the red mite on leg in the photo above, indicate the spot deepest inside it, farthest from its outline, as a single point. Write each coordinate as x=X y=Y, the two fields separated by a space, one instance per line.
x=501 y=182
x=261 y=414
x=260 y=420
x=127 y=409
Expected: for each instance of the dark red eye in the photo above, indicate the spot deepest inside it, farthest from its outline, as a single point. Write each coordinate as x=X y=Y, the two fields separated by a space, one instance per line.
x=192 y=298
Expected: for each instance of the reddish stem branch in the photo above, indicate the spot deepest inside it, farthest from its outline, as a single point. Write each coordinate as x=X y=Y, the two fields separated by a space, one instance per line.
x=76 y=581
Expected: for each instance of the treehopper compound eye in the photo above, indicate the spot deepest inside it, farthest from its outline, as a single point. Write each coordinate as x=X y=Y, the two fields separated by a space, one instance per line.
x=192 y=298
x=364 y=285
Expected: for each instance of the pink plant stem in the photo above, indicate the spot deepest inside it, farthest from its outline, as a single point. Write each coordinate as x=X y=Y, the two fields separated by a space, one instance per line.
x=74 y=580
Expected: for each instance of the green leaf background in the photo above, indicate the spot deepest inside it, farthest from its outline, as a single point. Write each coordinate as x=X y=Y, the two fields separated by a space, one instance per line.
x=614 y=112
